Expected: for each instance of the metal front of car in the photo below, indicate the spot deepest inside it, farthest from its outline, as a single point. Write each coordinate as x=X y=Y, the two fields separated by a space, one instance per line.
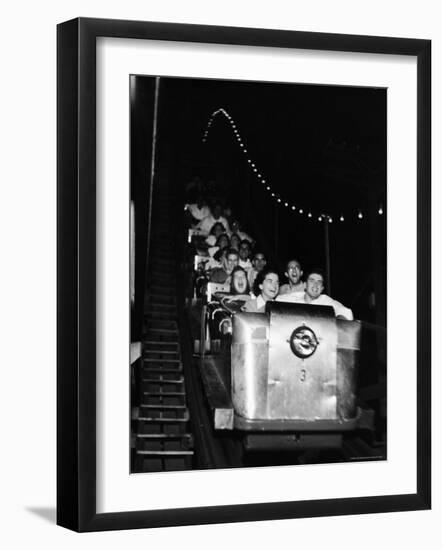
x=293 y=363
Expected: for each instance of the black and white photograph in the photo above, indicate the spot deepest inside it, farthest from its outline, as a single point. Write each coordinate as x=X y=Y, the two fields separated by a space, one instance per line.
x=243 y=274
x=258 y=274
x=221 y=297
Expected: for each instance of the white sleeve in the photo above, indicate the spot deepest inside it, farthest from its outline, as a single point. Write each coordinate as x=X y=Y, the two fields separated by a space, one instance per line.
x=203 y=226
x=342 y=310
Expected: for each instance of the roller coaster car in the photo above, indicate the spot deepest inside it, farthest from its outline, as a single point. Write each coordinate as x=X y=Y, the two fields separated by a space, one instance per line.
x=289 y=372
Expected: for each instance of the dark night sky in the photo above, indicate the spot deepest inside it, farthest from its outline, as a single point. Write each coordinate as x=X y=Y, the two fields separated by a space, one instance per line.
x=323 y=146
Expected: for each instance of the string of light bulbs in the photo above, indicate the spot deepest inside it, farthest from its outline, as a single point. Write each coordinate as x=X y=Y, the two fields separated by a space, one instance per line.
x=319 y=216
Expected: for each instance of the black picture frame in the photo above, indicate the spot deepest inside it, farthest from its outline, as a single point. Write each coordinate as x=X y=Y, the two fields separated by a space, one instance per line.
x=76 y=273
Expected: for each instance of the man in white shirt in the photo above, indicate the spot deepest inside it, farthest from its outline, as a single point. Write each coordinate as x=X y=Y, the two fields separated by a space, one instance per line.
x=205 y=225
x=314 y=286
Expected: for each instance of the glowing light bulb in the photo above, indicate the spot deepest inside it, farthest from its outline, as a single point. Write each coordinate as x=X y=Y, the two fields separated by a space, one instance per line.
x=279 y=200
x=309 y=214
x=319 y=218
x=273 y=194
x=301 y=211
x=286 y=204
x=268 y=188
x=360 y=216
x=342 y=218
x=330 y=219
x=293 y=207
x=380 y=211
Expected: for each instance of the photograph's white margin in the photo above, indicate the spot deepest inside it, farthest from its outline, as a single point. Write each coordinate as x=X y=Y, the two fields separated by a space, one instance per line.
x=116 y=489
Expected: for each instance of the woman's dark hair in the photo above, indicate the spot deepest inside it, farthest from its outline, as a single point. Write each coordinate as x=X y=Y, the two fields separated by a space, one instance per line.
x=260 y=278
x=212 y=229
x=224 y=236
x=317 y=271
x=232 y=277
x=219 y=253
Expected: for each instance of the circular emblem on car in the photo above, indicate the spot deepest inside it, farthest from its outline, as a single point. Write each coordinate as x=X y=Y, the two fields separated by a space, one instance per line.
x=303 y=342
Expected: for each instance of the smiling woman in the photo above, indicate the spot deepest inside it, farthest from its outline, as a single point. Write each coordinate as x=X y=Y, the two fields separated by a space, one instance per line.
x=265 y=288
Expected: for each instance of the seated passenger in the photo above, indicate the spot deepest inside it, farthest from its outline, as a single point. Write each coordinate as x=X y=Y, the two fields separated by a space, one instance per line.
x=221 y=242
x=239 y=286
x=258 y=264
x=228 y=263
x=293 y=273
x=244 y=255
x=216 y=230
x=235 y=241
x=233 y=302
x=198 y=210
x=235 y=227
x=205 y=225
x=195 y=187
x=314 y=286
x=267 y=283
